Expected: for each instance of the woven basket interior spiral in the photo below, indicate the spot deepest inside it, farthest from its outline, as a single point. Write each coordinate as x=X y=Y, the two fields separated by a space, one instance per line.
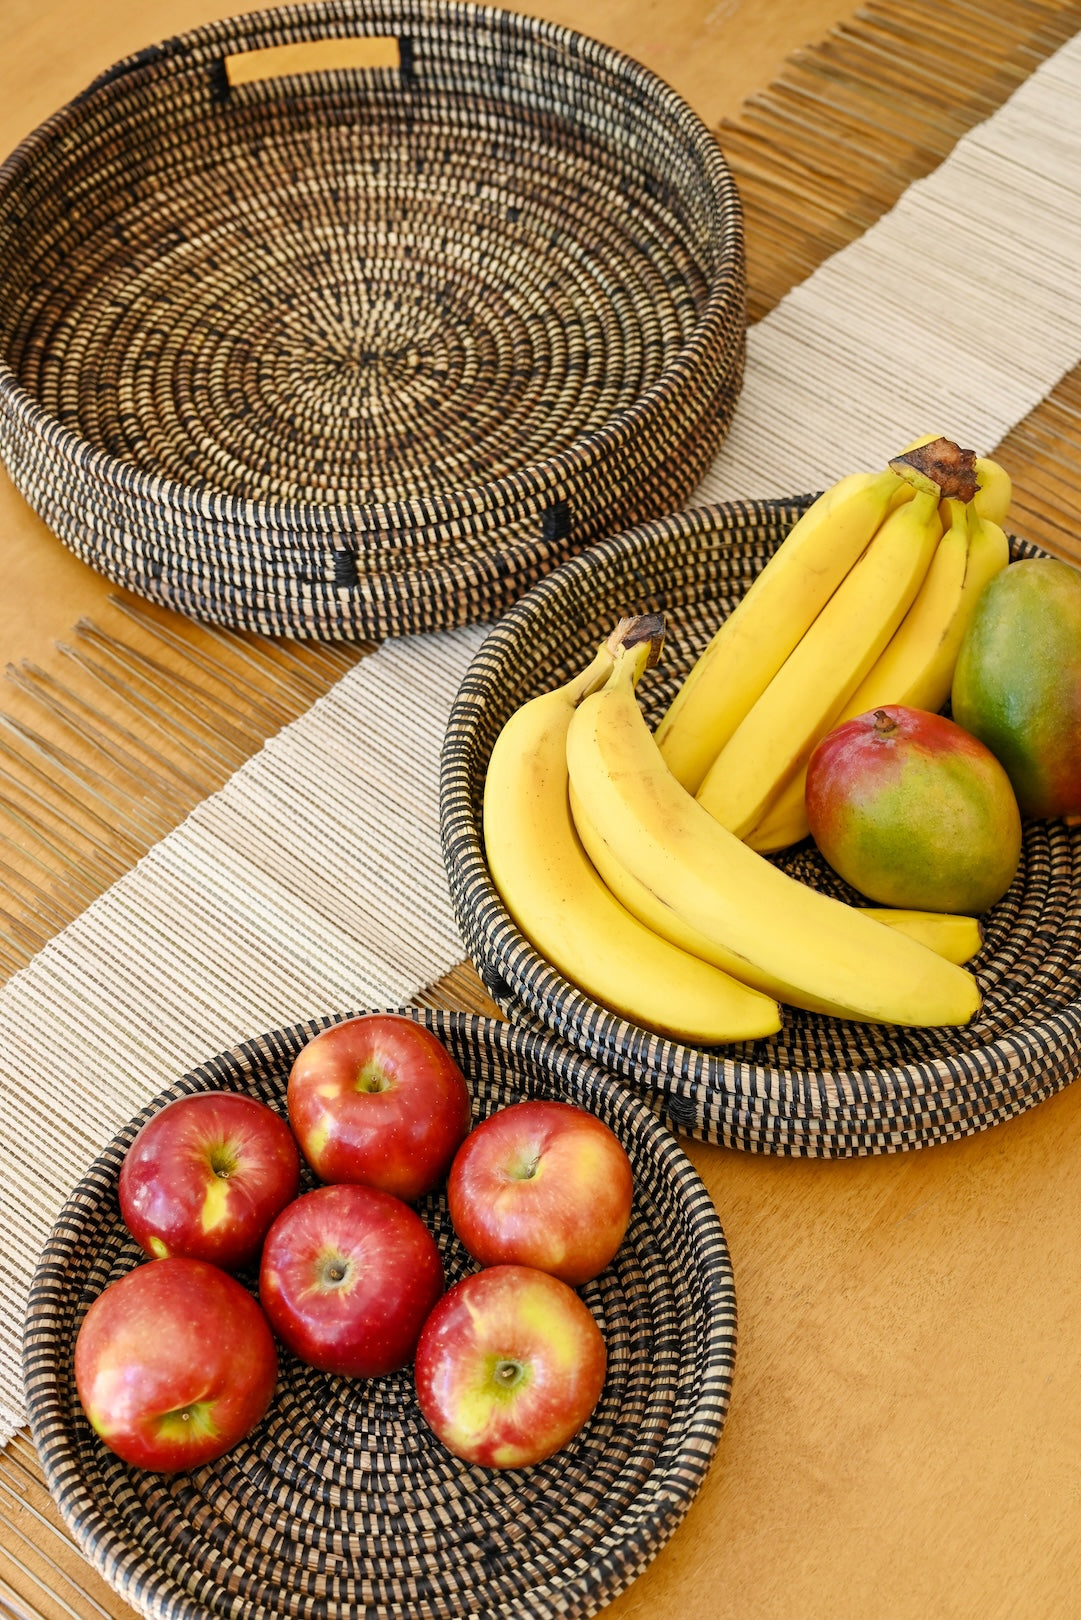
x=342 y=1502
x=823 y=1086
x=364 y=350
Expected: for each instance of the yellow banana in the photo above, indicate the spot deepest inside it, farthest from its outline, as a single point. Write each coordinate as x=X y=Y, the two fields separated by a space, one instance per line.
x=916 y=668
x=560 y=904
x=757 y=636
x=696 y=882
x=988 y=554
x=784 y=822
x=947 y=933
x=916 y=665
x=804 y=698
x=992 y=498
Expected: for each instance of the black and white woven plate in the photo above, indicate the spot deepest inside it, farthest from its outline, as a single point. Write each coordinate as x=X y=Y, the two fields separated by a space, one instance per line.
x=359 y=350
x=822 y=1086
x=341 y=1503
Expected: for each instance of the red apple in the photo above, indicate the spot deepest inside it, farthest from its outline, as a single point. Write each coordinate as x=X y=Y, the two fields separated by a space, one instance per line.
x=174 y=1363
x=206 y=1176
x=509 y=1366
x=348 y=1275
x=378 y=1099
x=543 y=1184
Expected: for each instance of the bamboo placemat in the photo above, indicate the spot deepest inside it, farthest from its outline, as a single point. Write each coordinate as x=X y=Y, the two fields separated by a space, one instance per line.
x=137 y=758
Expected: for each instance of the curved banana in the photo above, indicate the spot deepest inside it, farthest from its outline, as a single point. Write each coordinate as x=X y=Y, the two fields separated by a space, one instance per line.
x=558 y=901
x=920 y=659
x=695 y=881
x=947 y=933
x=916 y=667
x=995 y=492
x=784 y=822
x=988 y=554
x=803 y=699
x=757 y=636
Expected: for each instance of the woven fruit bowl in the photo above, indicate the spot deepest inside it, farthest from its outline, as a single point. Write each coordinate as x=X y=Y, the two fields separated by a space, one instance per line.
x=341 y=1502
x=364 y=337
x=822 y=1086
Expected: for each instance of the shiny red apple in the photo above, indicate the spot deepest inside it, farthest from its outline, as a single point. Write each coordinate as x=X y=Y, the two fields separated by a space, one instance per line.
x=174 y=1363
x=509 y=1367
x=205 y=1177
x=542 y=1183
x=347 y=1278
x=379 y=1100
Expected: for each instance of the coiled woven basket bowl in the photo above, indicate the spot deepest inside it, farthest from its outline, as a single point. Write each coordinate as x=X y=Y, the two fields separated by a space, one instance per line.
x=341 y=1503
x=822 y=1087
x=361 y=350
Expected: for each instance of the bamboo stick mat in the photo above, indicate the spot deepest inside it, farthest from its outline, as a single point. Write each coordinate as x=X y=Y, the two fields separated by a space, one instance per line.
x=155 y=717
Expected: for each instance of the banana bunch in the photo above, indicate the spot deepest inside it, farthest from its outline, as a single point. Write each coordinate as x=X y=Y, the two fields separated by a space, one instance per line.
x=917 y=665
x=696 y=884
x=640 y=898
x=559 y=902
x=767 y=623
x=865 y=602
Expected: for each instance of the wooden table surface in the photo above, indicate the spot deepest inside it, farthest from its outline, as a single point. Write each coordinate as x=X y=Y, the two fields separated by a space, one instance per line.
x=904 y=1438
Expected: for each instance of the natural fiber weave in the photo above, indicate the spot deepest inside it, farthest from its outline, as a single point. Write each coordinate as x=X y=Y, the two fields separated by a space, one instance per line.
x=367 y=351
x=341 y=1502
x=821 y=1087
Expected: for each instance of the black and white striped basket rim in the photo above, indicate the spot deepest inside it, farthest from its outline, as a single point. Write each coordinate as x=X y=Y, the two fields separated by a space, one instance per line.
x=862 y=1091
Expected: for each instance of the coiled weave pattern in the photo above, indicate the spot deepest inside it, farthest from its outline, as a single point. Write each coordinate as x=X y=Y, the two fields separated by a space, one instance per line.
x=823 y=1087
x=341 y=1502
x=362 y=351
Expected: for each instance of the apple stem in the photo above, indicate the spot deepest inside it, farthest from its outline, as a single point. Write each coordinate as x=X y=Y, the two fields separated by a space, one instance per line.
x=508 y=1373
x=222 y=1160
x=333 y=1270
x=372 y=1079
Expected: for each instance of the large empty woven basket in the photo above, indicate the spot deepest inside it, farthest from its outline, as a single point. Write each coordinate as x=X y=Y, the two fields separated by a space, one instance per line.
x=364 y=349
x=823 y=1086
x=342 y=1505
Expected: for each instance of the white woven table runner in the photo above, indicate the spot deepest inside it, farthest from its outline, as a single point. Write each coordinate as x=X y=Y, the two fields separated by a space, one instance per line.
x=313 y=882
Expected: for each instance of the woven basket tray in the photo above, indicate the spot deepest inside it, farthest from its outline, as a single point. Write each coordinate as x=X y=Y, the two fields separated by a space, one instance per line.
x=341 y=1503
x=367 y=349
x=822 y=1087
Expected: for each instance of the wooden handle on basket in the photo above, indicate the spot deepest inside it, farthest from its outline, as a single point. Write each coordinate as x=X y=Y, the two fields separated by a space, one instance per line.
x=314 y=56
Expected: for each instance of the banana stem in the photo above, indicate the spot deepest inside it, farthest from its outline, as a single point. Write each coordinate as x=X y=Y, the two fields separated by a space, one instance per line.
x=590 y=679
x=631 y=663
x=641 y=633
x=637 y=629
x=939 y=468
